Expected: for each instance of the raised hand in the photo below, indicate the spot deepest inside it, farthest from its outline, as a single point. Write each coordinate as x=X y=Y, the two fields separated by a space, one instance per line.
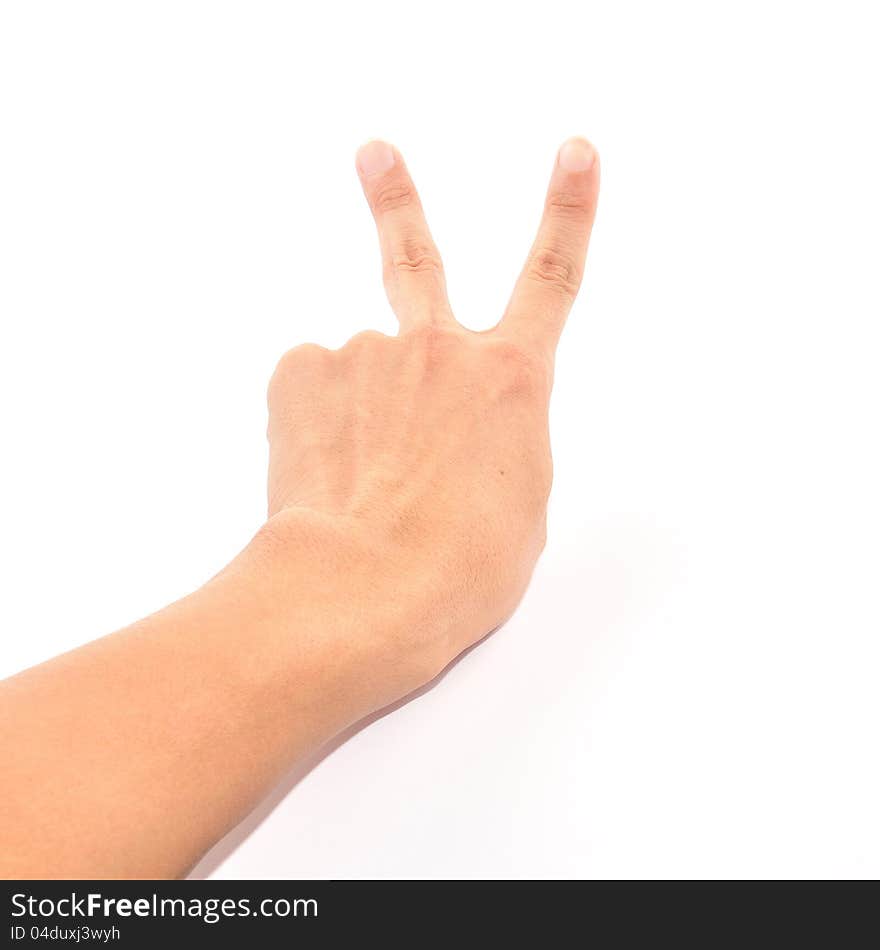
x=428 y=453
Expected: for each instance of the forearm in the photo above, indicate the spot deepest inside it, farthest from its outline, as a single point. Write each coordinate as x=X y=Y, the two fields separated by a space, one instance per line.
x=132 y=755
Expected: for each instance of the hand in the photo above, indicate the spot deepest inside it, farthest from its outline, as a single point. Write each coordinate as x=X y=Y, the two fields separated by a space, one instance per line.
x=408 y=483
x=426 y=455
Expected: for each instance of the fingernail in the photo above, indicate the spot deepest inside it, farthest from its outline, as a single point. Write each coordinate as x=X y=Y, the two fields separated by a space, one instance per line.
x=374 y=158
x=577 y=155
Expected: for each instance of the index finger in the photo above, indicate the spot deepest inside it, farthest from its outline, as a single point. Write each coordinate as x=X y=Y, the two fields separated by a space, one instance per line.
x=550 y=280
x=411 y=266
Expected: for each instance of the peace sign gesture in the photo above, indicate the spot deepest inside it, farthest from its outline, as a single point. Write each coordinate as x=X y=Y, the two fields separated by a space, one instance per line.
x=426 y=455
x=550 y=279
x=408 y=485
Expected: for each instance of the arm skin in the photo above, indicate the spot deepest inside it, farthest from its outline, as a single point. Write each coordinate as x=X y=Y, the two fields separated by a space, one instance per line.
x=408 y=482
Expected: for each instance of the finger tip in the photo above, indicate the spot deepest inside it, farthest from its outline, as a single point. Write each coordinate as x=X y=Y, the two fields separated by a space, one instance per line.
x=375 y=157
x=577 y=155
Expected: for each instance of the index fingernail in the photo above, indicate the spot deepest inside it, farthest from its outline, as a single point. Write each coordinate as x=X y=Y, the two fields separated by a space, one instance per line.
x=374 y=158
x=577 y=155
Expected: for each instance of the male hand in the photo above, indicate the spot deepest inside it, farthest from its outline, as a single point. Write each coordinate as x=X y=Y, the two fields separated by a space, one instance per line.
x=408 y=483
x=426 y=457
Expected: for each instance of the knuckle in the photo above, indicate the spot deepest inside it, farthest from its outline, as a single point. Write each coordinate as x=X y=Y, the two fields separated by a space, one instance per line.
x=366 y=340
x=521 y=370
x=568 y=204
x=415 y=257
x=432 y=346
x=390 y=197
x=433 y=339
x=304 y=356
x=295 y=363
x=555 y=269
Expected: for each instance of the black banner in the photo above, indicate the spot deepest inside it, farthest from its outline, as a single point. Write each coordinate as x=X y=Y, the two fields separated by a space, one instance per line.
x=38 y=914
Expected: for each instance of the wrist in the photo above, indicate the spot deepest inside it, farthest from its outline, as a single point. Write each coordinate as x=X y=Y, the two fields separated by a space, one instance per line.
x=336 y=606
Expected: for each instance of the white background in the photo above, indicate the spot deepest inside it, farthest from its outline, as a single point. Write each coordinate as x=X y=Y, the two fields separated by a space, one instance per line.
x=690 y=686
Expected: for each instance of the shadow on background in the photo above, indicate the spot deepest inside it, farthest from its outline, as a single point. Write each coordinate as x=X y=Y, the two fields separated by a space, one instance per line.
x=230 y=843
